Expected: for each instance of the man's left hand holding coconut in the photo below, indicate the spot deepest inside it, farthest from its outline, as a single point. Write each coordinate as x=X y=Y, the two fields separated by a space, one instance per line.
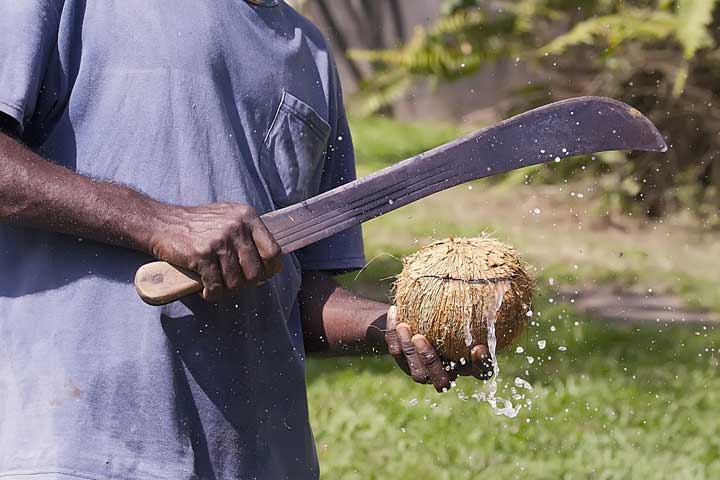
x=338 y=321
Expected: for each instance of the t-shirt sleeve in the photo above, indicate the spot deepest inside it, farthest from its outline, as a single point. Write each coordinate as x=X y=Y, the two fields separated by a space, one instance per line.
x=28 y=35
x=343 y=251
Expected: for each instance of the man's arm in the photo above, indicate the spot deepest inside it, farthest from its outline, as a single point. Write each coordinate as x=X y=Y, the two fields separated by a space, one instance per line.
x=337 y=321
x=226 y=244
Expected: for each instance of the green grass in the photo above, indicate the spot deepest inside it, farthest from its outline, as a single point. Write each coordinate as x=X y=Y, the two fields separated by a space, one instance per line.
x=380 y=142
x=620 y=402
x=623 y=401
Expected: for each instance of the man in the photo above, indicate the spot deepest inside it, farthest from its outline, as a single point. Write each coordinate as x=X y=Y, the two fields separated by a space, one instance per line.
x=146 y=128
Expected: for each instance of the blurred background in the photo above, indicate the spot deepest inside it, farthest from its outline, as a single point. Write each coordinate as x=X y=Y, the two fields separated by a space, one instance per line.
x=622 y=352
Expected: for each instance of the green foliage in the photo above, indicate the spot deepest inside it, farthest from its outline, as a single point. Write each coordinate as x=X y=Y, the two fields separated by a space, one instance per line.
x=452 y=47
x=659 y=56
x=631 y=24
x=693 y=19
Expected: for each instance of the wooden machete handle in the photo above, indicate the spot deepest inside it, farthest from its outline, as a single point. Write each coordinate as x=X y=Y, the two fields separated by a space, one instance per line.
x=159 y=283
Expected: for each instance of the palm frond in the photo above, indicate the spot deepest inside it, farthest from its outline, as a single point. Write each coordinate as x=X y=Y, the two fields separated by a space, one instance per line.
x=631 y=24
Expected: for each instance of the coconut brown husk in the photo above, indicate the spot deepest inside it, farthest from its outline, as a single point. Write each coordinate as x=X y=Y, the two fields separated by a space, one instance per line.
x=448 y=291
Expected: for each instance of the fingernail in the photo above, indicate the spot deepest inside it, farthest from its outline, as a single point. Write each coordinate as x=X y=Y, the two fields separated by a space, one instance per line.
x=417 y=338
x=404 y=327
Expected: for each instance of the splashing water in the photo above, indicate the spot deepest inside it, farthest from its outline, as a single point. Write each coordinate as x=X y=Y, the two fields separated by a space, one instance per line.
x=468 y=335
x=500 y=406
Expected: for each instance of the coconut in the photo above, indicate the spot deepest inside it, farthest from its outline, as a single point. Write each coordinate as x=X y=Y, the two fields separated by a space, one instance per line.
x=450 y=290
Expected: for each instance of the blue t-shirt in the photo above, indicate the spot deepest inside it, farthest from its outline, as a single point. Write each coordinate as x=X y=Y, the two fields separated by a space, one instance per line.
x=190 y=102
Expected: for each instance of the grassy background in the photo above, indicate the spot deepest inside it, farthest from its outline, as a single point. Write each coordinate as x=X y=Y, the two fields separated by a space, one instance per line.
x=622 y=401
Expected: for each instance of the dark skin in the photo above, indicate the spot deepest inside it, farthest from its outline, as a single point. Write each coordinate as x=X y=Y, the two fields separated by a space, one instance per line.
x=337 y=321
x=227 y=245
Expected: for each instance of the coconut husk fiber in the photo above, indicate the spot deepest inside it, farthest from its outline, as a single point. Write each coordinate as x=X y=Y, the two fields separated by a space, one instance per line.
x=448 y=290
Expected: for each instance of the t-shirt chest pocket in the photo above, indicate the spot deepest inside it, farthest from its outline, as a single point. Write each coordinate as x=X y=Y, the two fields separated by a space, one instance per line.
x=293 y=153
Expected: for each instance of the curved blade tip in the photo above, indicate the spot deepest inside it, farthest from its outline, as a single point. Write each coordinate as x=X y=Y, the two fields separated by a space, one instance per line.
x=660 y=144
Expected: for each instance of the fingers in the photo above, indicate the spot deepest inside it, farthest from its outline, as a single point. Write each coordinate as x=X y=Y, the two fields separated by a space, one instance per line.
x=434 y=367
x=267 y=248
x=415 y=365
x=212 y=280
x=391 y=336
x=256 y=252
x=230 y=267
x=418 y=358
x=481 y=362
x=252 y=265
x=227 y=244
x=393 y=340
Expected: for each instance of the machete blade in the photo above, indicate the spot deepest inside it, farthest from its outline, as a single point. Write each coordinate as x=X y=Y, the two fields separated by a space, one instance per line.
x=577 y=126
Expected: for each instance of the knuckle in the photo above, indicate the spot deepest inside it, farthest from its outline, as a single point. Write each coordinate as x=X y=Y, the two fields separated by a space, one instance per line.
x=394 y=349
x=274 y=251
x=429 y=358
x=229 y=228
x=408 y=348
x=203 y=251
x=207 y=248
x=246 y=212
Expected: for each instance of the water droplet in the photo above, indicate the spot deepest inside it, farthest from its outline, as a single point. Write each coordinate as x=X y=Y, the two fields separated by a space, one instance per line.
x=541 y=344
x=522 y=383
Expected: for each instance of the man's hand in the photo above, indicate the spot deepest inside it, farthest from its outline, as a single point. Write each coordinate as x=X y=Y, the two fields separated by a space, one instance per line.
x=226 y=244
x=337 y=321
x=418 y=358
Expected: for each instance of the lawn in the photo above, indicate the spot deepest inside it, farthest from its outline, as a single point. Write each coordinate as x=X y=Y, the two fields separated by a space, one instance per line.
x=617 y=401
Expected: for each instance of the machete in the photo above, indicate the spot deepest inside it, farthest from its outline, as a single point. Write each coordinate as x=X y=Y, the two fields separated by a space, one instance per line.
x=577 y=126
